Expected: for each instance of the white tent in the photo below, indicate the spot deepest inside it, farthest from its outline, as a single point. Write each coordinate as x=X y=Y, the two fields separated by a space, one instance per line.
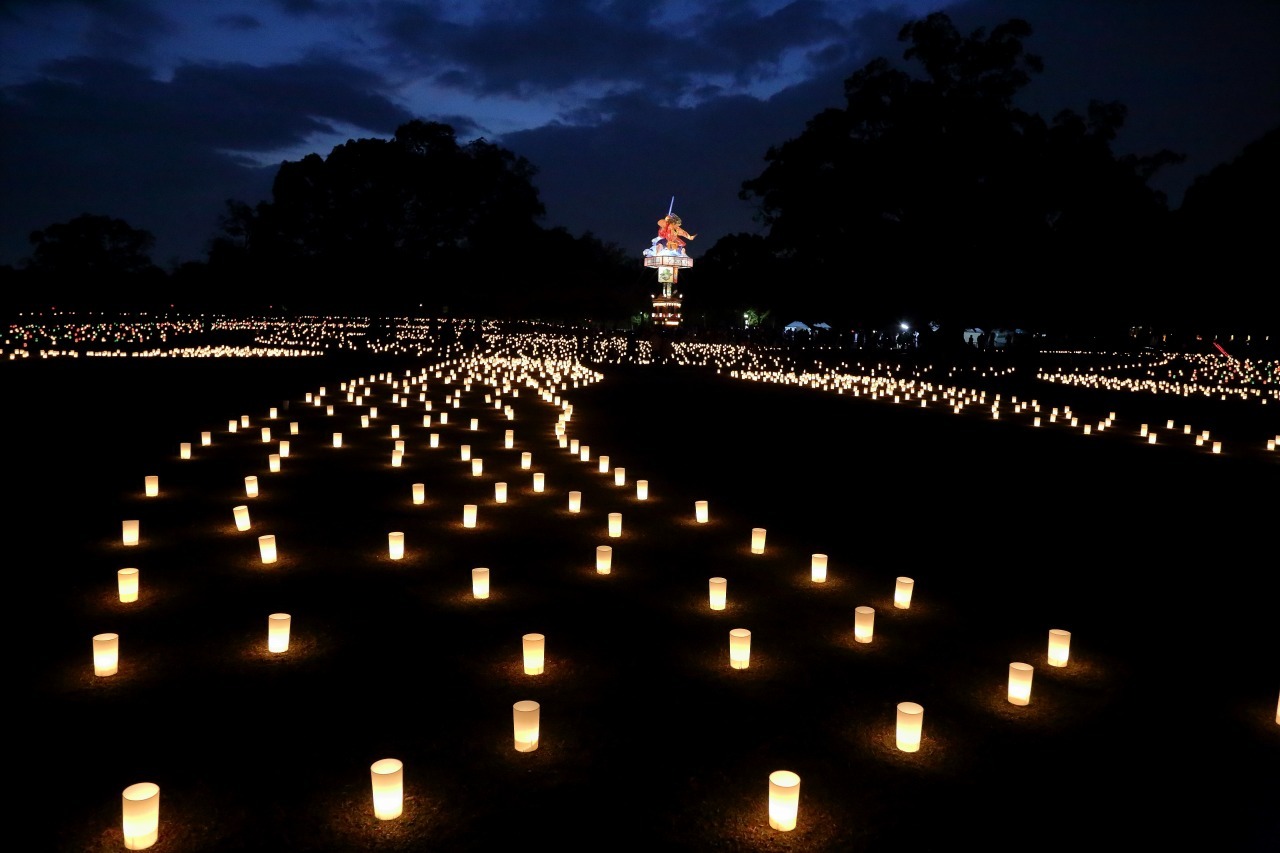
x=795 y=326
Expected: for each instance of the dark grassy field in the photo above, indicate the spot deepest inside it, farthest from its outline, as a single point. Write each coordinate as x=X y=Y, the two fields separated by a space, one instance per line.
x=1160 y=732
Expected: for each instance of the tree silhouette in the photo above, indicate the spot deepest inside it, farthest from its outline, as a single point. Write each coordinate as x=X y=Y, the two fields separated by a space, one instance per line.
x=938 y=196
x=92 y=261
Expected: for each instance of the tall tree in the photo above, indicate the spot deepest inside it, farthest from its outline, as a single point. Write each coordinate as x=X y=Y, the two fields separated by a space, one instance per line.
x=417 y=219
x=938 y=195
x=94 y=261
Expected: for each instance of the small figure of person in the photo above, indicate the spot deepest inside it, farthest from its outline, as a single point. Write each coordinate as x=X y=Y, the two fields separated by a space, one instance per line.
x=671 y=237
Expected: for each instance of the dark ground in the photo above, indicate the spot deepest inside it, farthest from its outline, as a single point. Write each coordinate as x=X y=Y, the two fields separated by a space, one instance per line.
x=1161 y=561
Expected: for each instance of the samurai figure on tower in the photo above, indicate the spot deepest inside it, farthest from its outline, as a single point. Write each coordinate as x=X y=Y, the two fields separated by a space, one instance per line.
x=671 y=235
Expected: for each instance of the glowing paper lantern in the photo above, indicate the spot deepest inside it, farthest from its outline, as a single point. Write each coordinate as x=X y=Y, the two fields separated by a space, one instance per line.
x=475 y=423
x=387 y=775
x=480 y=583
x=127 y=585
x=615 y=524
x=604 y=559
x=910 y=725
x=469 y=515
x=106 y=654
x=700 y=511
x=739 y=648
x=266 y=434
x=251 y=486
x=206 y=438
x=284 y=448
x=434 y=440
x=267 y=547
x=784 y=800
x=575 y=501
x=151 y=485
x=1020 y=683
x=129 y=531
x=273 y=462
x=526 y=460
x=184 y=450
x=642 y=490
x=584 y=452
x=509 y=438
x=337 y=439
x=278 y=632
x=241 y=516
x=395 y=544
x=140 y=815
x=293 y=427
x=1059 y=646
x=718 y=589
x=604 y=464
x=539 y=481
x=864 y=623
x=902 y=589
x=534 y=653
x=619 y=476
x=477 y=467
x=526 y=722
x=232 y=426
x=500 y=492
x=757 y=540
x=419 y=493
x=818 y=568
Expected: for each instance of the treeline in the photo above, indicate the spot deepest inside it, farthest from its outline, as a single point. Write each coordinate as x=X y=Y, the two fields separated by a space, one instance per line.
x=930 y=194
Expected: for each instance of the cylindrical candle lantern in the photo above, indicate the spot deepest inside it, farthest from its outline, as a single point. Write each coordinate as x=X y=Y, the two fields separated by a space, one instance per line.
x=184 y=450
x=388 y=788
x=604 y=464
x=266 y=434
x=140 y=814
x=509 y=438
x=525 y=720
x=719 y=592
x=129 y=531
x=477 y=467
x=902 y=592
x=284 y=448
x=206 y=438
x=337 y=439
x=539 y=481
x=615 y=524
x=465 y=450
x=232 y=426
x=1059 y=646
x=739 y=648
x=106 y=654
x=273 y=462
x=784 y=799
x=500 y=493
x=584 y=452
x=864 y=623
x=642 y=490
x=278 y=632
x=241 y=515
x=293 y=427
x=818 y=568
x=910 y=726
x=151 y=484
x=757 y=540
x=619 y=476
x=573 y=446
x=397 y=458
x=364 y=420
x=251 y=486
x=127 y=584
x=534 y=653
x=526 y=460
x=575 y=501
x=480 y=583
x=475 y=423
x=434 y=439
x=469 y=515
x=267 y=547
x=700 y=511
x=395 y=430
x=419 y=493
x=604 y=559
x=1020 y=683
x=395 y=544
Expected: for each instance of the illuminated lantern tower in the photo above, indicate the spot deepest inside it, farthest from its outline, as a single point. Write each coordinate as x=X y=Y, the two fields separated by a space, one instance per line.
x=667 y=256
x=666 y=305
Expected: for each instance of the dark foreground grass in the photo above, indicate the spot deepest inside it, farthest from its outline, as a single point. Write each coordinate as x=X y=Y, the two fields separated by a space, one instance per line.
x=1159 y=560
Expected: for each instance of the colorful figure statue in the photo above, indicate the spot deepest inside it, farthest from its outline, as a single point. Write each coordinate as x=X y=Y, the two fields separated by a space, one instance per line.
x=670 y=239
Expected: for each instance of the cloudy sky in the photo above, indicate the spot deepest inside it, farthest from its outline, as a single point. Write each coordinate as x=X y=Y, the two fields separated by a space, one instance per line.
x=158 y=111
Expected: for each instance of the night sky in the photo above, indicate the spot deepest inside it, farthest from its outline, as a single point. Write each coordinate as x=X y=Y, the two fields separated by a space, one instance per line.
x=158 y=112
